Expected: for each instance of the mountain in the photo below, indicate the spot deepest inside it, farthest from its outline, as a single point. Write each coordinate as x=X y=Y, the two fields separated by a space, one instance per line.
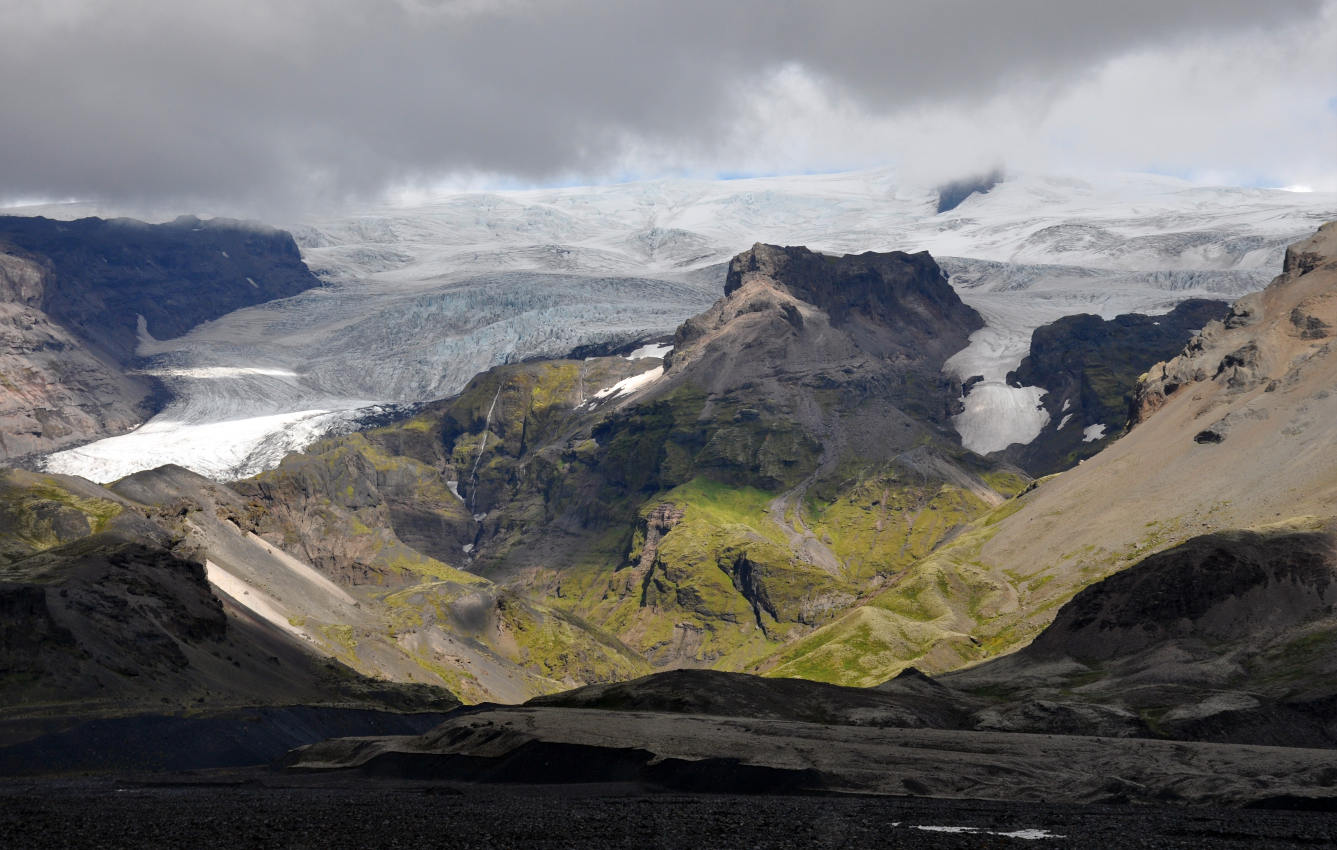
x=419 y=298
x=1229 y=435
x=54 y=389
x=78 y=297
x=620 y=513
x=778 y=465
x=106 y=275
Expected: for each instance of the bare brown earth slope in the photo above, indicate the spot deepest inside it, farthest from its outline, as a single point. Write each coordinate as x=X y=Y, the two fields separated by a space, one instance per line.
x=1235 y=433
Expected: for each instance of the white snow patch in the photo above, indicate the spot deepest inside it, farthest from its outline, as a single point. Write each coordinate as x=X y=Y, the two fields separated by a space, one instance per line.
x=996 y=416
x=626 y=386
x=454 y=487
x=252 y=283
x=1067 y=403
x=654 y=349
x=1062 y=422
x=1091 y=433
x=468 y=548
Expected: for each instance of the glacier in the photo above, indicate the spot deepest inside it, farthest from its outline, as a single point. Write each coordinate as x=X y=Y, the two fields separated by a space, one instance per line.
x=418 y=297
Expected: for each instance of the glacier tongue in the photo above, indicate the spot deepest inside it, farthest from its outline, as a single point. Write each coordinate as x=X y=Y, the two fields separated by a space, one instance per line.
x=223 y=450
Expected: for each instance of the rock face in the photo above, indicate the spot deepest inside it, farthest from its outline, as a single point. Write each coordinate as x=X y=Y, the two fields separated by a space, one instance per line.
x=1091 y=368
x=796 y=323
x=71 y=298
x=105 y=613
x=952 y=195
x=906 y=294
x=103 y=275
x=54 y=389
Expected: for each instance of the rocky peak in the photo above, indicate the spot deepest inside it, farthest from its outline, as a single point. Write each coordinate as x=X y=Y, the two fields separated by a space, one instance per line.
x=894 y=287
x=779 y=301
x=1318 y=250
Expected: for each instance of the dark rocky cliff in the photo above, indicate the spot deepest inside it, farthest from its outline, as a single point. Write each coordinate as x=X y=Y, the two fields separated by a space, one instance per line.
x=905 y=292
x=1090 y=367
x=103 y=274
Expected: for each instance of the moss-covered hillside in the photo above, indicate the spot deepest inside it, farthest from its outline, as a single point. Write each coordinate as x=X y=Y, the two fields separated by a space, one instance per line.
x=789 y=461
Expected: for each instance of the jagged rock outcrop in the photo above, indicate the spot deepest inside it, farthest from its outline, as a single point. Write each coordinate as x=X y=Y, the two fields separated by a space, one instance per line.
x=1090 y=368
x=1244 y=351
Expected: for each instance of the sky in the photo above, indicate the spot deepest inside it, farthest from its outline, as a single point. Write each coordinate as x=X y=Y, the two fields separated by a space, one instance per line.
x=269 y=108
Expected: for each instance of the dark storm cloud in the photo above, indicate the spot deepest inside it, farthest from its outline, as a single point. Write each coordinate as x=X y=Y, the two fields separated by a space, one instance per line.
x=312 y=100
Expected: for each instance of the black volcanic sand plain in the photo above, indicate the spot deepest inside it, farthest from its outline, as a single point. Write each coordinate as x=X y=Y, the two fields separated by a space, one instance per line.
x=239 y=809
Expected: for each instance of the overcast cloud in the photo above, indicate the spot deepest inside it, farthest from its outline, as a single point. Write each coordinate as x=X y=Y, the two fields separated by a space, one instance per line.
x=262 y=106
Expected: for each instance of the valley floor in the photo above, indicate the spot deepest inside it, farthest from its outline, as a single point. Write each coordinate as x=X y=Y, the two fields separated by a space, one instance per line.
x=262 y=809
